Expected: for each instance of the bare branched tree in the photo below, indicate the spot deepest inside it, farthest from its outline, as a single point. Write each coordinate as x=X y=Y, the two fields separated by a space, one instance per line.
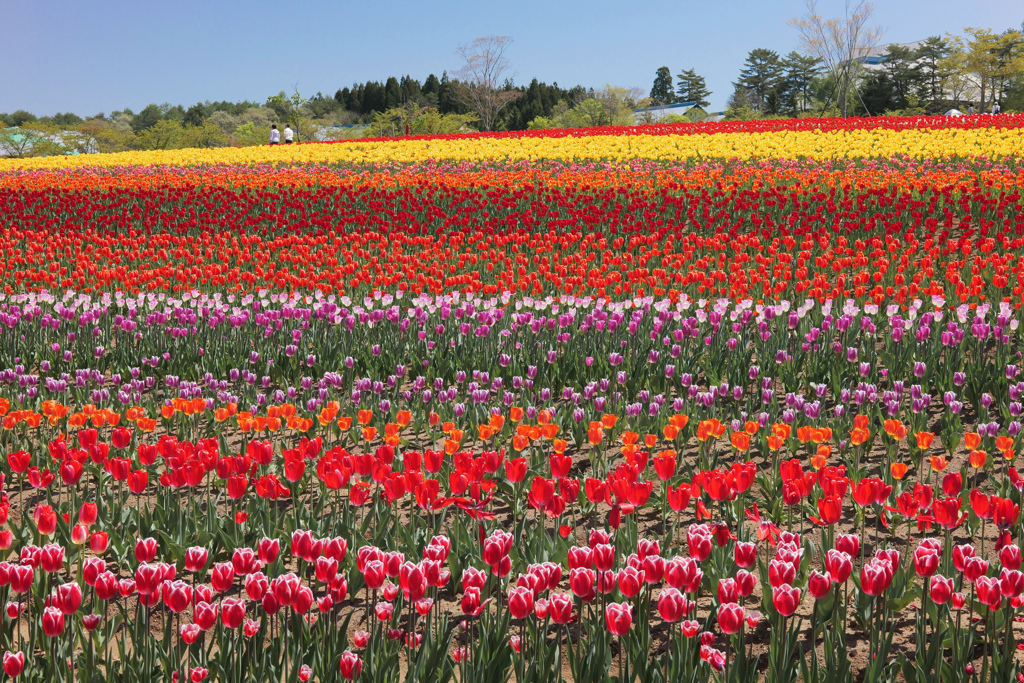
x=482 y=76
x=839 y=42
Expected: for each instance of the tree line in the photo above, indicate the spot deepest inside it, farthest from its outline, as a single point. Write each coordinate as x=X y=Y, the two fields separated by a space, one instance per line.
x=971 y=71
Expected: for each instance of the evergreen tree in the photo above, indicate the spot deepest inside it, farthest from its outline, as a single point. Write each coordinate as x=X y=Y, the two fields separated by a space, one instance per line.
x=692 y=88
x=392 y=93
x=446 y=100
x=760 y=77
x=929 y=55
x=661 y=92
x=795 y=88
x=195 y=116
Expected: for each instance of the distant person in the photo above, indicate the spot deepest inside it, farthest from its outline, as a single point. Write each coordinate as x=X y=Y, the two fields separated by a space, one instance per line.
x=995 y=107
x=288 y=134
x=275 y=136
x=970 y=109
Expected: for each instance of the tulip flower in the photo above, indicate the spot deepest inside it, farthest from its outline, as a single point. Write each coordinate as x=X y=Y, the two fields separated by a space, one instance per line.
x=351 y=665
x=14 y=663
x=618 y=618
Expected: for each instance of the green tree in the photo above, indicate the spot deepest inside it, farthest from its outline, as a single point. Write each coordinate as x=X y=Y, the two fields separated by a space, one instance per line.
x=147 y=118
x=929 y=56
x=195 y=116
x=760 y=77
x=66 y=120
x=692 y=88
x=392 y=93
x=661 y=91
x=799 y=72
x=164 y=134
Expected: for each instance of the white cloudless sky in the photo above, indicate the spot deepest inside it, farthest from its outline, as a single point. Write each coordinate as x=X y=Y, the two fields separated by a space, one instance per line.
x=93 y=56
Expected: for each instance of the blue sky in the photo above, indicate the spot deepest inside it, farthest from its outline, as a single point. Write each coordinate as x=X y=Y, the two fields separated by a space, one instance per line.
x=92 y=56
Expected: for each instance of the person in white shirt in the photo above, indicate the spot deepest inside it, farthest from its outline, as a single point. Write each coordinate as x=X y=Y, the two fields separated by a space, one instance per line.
x=995 y=108
x=288 y=135
x=275 y=136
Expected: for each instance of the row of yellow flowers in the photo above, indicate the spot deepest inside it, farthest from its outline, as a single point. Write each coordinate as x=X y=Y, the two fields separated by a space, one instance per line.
x=841 y=144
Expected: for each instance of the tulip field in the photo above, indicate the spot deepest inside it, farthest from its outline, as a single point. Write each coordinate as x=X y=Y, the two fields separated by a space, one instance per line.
x=696 y=402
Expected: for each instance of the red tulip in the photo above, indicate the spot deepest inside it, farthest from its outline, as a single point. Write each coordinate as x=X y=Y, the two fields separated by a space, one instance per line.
x=267 y=550
x=560 y=608
x=671 y=604
x=818 y=585
x=98 y=542
x=618 y=618
x=145 y=549
x=745 y=582
x=520 y=602
x=243 y=561
x=190 y=633
x=926 y=561
x=232 y=612
x=222 y=577
x=137 y=481
x=53 y=622
x=745 y=554
x=960 y=555
x=286 y=589
x=848 y=543
x=780 y=572
x=51 y=558
x=303 y=600
x=839 y=565
x=14 y=663
x=351 y=665
x=989 y=591
x=1009 y=556
x=196 y=559
x=205 y=615
x=106 y=586
x=730 y=617
x=177 y=596
x=630 y=581
x=582 y=583
x=45 y=519
x=786 y=599
x=975 y=568
x=875 y=577
x=148 y=578
x=1011 y=582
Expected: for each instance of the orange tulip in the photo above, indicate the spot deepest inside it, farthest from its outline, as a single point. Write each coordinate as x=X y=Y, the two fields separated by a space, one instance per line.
x=496 y=422
x=938 y=462
x=559 y=445
x=775 y=442
x=898 y=470
x=629 y=438
x=515 y=414
x=972 y=440
x=650 y=440
x=859 y=436
x=679 y=421
x=670 y=431
x=924 y=440
x=403 y=418
x=608 y=420
x=364 y=416
x=740 y=441
x=344 y=423
x=978 y=458
x=369 y=433
x=520 y=442
x=544 y=417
